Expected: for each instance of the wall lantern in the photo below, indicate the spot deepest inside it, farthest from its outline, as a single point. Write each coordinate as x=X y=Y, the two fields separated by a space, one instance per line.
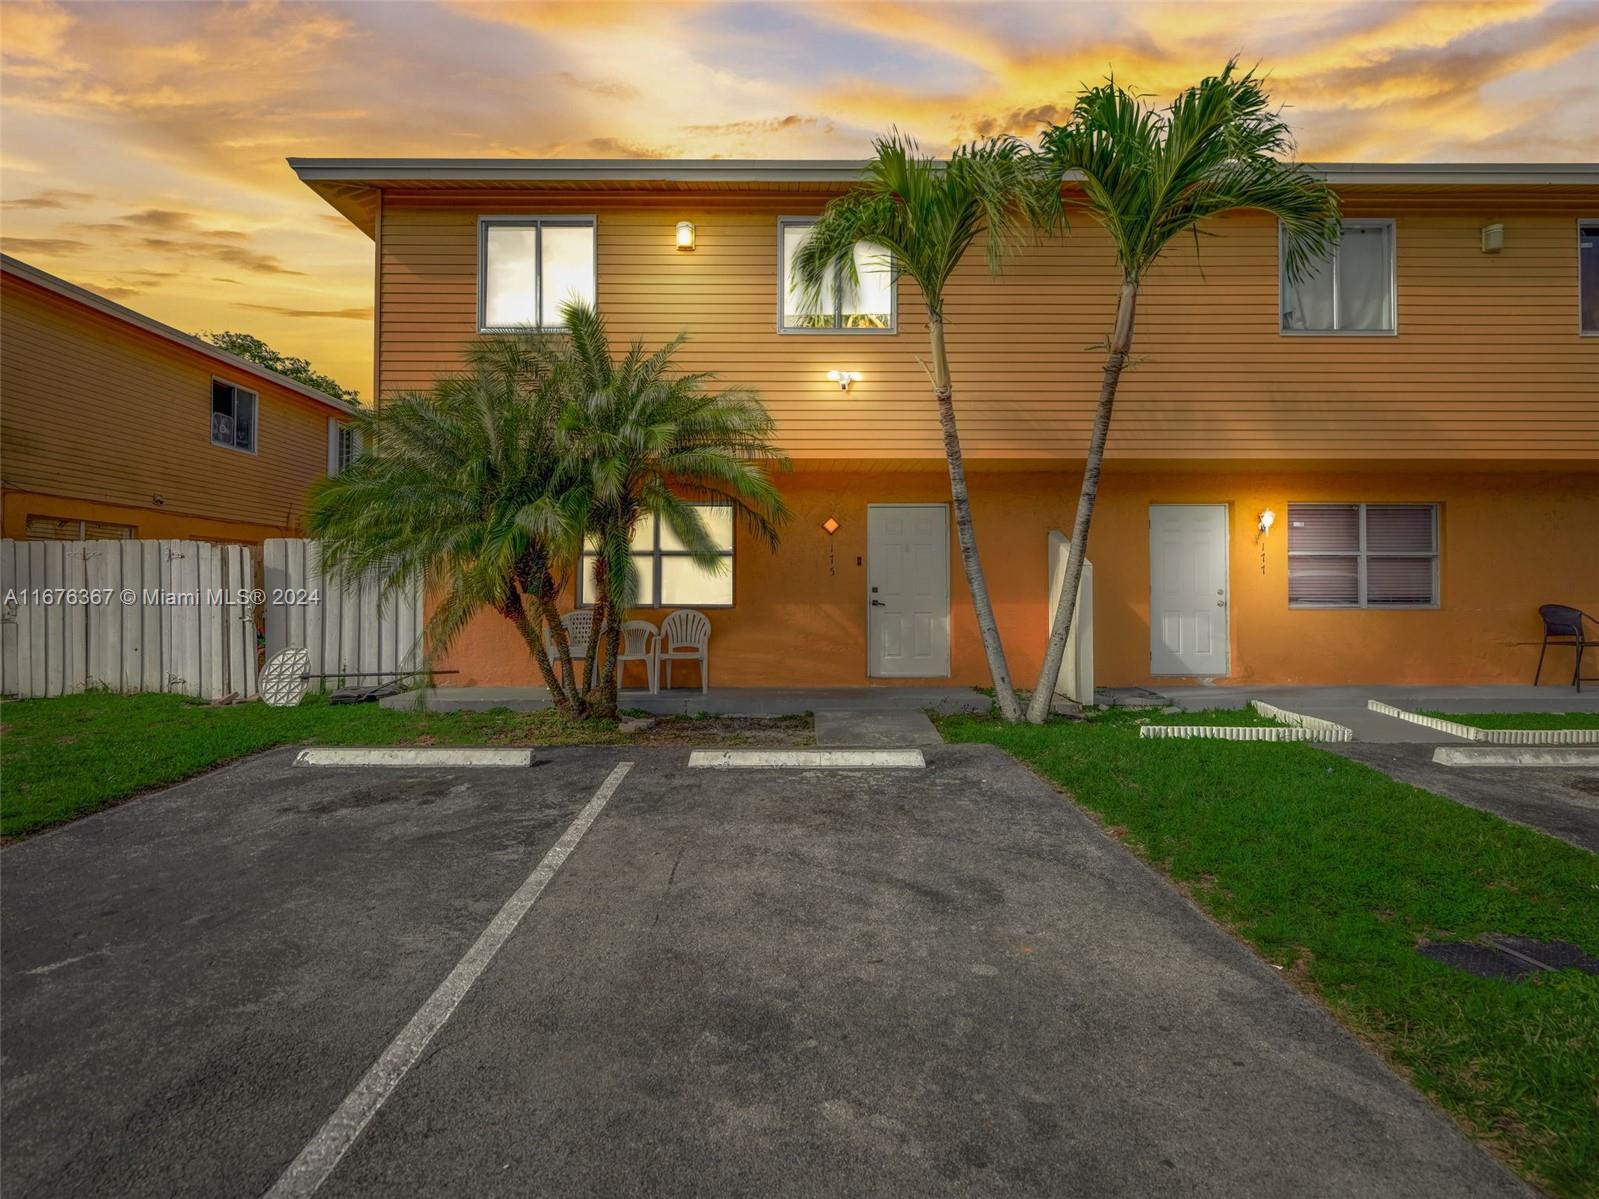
x=843 y=378
x=1493 y=238
x=1265 y=521
x=685 y=235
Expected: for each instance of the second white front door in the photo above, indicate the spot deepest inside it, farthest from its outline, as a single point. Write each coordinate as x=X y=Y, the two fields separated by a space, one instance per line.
x=1188 y=589
x=907 y=584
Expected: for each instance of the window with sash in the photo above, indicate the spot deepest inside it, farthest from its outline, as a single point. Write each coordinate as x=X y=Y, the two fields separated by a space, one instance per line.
x=1349 y=291
x=667 y=576
x=1362 y=555
x=530 y=267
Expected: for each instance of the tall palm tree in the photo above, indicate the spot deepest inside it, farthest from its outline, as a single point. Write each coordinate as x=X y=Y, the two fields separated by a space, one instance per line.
x=654 y=442
x=925 y=216
x=1148 y=176
x=466 y=486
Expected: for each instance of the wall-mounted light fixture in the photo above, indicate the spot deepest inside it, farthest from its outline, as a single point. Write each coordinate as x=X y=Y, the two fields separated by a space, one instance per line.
x=1265 y=521
x=843 y=378
x=1493 y=238
x=685 y=235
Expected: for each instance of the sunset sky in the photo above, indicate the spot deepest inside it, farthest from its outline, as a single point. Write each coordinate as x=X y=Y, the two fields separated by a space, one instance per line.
x=142 y=146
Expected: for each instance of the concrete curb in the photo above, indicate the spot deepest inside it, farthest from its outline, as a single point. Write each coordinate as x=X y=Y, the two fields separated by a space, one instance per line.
x=807 y=759
x=1491 y=755
x=1471 y=732
x=1235 y=732
x=1298 y=720
x=401 y=756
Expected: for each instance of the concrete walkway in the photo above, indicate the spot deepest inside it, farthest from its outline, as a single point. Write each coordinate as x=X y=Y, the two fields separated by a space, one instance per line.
x=1347 y=705
x=718 y=701
x=902 y=728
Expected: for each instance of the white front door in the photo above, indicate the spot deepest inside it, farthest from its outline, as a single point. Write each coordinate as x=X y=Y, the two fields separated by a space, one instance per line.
x=907 y=582
x=1188 y=589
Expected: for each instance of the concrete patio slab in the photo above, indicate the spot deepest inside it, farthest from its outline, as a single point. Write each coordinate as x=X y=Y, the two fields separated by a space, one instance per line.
x=869 y=728
x=718 y=701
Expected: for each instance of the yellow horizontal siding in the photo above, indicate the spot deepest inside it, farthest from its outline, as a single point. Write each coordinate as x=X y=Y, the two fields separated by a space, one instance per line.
x=97 y=409
x=1487 y=362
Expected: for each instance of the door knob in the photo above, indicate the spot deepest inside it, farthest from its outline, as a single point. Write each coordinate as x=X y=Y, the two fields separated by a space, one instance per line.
x=1221 y=603
x=876 y=603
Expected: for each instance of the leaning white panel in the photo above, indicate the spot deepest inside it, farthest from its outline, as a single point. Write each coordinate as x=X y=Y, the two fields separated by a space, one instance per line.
x=807 y=759
x=426 y=756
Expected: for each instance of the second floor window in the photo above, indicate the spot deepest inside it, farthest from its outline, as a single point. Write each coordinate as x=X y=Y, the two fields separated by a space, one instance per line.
x=232 y=416
x=1588 y=273
x=1351 y=291
x=863 y=306
x=528 y=267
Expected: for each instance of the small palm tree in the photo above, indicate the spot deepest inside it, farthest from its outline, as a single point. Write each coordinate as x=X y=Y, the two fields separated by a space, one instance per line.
x=925 y=216
x=1149 y=176
x=652 y=442
x=466 y=487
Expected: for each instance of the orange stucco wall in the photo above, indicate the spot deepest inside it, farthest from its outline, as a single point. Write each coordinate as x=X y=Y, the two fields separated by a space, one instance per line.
x=147 y=523
x=1509 y=540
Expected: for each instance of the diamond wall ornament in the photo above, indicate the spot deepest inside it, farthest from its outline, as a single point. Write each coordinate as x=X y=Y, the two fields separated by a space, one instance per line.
x=831 y=526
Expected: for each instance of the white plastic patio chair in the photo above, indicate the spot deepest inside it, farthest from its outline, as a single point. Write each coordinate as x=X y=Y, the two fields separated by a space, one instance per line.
x=639 y=639
x=579 y=626
x=686 y=637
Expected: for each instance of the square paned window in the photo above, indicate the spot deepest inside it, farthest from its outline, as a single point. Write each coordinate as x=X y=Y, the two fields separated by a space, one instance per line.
x=1350 y=291
x=233 y=412
x=1362 y=555
x=667 y=576
x=530 y=267
x=865 y=305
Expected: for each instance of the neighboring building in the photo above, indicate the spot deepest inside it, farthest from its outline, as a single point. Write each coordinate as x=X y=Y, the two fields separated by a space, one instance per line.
x=113 y=425
x=1422 y=417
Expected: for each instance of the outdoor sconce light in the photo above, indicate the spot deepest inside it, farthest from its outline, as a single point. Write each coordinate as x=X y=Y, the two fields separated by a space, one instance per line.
x=1493 y=238
x=685 y=235
x=843 y=378
x=1265 y=521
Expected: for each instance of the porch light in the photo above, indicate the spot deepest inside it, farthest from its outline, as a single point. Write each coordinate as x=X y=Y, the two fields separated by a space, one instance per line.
x=843 y=378
x=1493 y=238
x=1265 y=521
x=685 y=235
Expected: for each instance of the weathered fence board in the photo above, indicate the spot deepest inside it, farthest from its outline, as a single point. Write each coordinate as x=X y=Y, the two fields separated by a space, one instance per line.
x=126 y=616
x=343 y=625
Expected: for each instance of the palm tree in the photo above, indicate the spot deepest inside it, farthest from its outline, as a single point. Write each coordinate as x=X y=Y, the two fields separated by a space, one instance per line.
x=466 y=487
x=653 y=442
x=1149 y=176
x=925 y=215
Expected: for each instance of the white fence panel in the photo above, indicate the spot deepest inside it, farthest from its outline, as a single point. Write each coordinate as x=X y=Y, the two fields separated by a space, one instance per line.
x=1076 y=678
x=343 y=625
x=126 y=616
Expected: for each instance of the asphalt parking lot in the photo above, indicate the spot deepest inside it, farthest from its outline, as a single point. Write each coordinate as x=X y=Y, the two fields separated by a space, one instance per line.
x=738 y=983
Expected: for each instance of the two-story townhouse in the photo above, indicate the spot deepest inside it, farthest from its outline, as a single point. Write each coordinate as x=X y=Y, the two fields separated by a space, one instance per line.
x=114 y=425
x=1420 y=419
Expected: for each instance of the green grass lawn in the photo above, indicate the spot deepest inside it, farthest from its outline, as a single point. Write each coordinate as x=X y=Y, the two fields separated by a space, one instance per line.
x=1522 y=720
x=1336 y=872
x=66 y=757
x=1231 y=717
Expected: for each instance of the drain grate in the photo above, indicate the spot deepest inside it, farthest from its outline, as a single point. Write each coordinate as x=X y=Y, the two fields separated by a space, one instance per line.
x=1509 y=957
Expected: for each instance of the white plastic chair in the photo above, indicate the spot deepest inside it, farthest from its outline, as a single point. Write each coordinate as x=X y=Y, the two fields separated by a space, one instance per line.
x=686 y=636
x=639 y=639
x=579 y=626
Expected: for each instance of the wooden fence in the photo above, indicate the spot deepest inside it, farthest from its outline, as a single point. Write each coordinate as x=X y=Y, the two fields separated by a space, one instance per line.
x=345 y=629
x=175 y=616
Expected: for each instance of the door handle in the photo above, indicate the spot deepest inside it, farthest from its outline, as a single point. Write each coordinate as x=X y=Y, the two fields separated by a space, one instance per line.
x=878 y=604
x=1221 y=603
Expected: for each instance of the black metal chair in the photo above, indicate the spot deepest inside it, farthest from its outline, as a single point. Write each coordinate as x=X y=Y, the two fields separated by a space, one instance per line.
x=1567 y=626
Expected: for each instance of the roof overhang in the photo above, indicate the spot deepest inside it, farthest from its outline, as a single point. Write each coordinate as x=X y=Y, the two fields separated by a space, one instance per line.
x=89 y=299
x=352 y=185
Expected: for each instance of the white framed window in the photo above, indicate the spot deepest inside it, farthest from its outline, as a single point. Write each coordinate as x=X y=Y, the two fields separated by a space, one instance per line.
x=865 y=306
x=66 y=528
x=668 y=577
x=1588 y=275
x=344 y=443
x=1362 y=555
x=233 y=416
x=1353 y=290
x=529 y=266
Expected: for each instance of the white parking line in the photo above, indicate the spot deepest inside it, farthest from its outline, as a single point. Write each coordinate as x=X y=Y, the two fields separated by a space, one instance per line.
x=317 y=1160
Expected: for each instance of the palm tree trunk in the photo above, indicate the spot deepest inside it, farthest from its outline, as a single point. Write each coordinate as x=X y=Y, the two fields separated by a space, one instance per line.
x=563 y=645
x=610 y=681
x=601 y=610
x=1066 y=602
x=514 y=611
x=987 y=629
